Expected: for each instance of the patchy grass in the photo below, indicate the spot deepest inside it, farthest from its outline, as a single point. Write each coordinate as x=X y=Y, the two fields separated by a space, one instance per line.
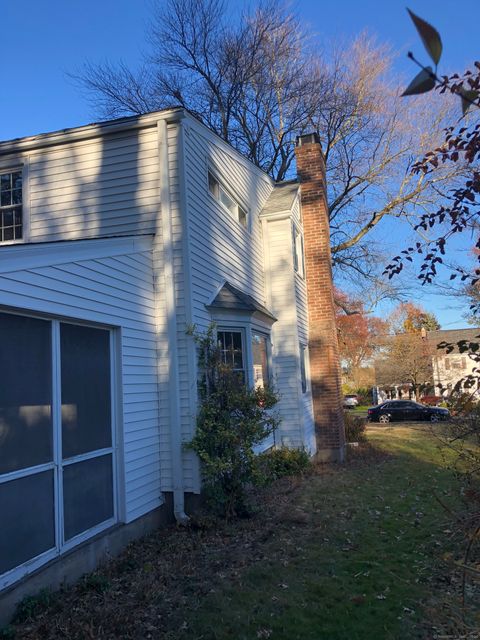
x=349 y=552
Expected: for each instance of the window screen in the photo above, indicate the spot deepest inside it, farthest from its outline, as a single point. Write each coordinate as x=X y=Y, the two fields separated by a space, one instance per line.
x=27 y=519
x=25 y=392
x=87 y=494
x=85 y=369
x=29 y=504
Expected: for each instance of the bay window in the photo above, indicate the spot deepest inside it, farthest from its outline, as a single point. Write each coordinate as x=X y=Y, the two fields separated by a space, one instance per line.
x=252 y=365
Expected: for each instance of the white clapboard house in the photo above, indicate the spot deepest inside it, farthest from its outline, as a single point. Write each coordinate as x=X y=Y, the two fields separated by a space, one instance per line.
x=115 y=237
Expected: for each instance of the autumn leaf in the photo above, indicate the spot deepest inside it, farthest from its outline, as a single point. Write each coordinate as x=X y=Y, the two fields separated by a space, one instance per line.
x=422 y=83
x=430 y=37
x=467 y=97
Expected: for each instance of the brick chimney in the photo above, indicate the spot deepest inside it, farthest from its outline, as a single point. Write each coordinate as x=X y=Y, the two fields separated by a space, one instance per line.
x=325 y=369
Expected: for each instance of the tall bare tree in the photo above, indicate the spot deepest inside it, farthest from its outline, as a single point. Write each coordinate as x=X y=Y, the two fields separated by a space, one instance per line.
x=258 y=80
x=406 y=359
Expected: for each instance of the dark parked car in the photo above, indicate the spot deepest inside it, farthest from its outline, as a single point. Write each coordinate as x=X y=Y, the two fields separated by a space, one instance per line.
x=401 y=410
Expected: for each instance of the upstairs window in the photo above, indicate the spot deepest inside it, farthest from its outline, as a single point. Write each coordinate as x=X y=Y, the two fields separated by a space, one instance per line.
x=297 y=247
x=457 y=363
x=11 y=206
x=221 y=195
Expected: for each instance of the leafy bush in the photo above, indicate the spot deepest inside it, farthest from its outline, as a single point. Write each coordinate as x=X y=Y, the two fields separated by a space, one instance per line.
x=365 y=395
x=232 y=420
x=278 y=463
x=461 y=403
x=354 y=427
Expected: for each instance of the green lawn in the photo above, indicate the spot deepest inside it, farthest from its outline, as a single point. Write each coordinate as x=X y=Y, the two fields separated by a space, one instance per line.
x=360 y=565
x=351 y=552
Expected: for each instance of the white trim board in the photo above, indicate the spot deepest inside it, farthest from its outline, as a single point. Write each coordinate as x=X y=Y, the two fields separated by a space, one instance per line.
x=31 y=256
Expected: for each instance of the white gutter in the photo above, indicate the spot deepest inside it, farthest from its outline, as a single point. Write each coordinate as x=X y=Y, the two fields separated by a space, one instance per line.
x=170 y=307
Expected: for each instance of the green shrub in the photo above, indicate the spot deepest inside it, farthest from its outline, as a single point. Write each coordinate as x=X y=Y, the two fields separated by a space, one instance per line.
x=461 y=403
x=354 y=427
x=282 y=462
x=232 y=420
x=365 y=395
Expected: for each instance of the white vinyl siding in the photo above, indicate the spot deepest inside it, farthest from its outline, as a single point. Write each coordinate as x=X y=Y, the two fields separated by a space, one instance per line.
x=209 y=247
x=109 y=282
x=285 y=340
x=220 y=248
x=101 y=187
x=301 y=305
x=186 y=365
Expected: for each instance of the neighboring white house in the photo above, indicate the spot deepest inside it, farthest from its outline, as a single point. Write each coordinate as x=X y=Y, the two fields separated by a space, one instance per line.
x=114 y=239
x=454 y=365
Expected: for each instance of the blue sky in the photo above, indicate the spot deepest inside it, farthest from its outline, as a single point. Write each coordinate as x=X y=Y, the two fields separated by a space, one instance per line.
x=42 y=41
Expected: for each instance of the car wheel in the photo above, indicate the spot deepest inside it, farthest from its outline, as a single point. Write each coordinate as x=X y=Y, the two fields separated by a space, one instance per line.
x=434 y=417
x=384 y=418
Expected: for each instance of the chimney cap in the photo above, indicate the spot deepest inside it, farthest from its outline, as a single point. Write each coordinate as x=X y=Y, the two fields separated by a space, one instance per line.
x=307 y=138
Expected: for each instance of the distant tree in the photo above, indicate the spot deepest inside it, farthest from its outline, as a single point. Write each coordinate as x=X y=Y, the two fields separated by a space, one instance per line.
x=405 y=355
x=405 y=359
x=411 y=318
x=259 y=80
x=358 y=337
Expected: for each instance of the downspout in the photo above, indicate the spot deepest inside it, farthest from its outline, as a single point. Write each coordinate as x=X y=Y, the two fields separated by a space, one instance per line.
x=169 y=281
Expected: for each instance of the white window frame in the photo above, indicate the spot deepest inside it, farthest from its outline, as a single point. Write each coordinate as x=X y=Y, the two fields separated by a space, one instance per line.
x=57 y=464
x=242 y=332
x=212 y=174
x=15 y=167
x=298 y=250
x=304 y=358
x=268 y=338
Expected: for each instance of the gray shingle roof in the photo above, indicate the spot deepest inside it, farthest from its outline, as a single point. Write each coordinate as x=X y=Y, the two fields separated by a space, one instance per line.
x=281 y=198
x=232 y=299
x=452 y=336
